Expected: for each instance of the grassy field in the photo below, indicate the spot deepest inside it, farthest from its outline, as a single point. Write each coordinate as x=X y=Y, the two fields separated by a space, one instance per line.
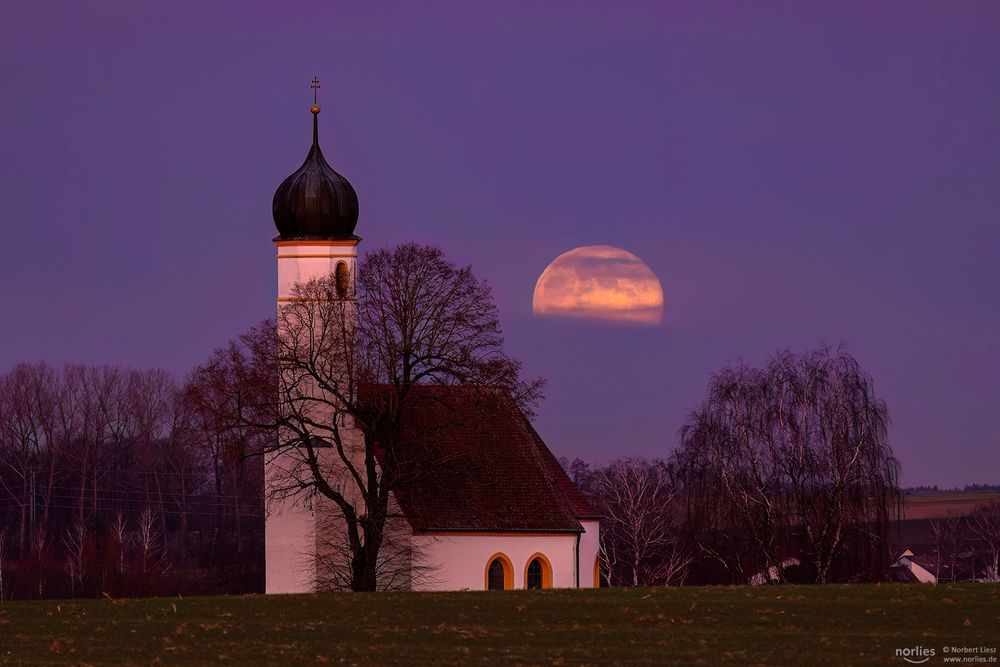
x=936 y=505
x=842 y=625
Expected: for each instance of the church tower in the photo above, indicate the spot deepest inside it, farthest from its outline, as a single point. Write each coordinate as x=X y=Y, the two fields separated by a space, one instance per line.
x=315 y=211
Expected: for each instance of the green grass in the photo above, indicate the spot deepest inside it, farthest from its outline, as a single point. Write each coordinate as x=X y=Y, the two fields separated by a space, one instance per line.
x=788 y=625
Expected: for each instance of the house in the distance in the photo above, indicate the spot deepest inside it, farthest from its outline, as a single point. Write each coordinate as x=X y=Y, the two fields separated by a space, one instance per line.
x=909 y=567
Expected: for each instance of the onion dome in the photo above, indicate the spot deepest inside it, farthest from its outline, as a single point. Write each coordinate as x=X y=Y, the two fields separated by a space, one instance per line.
x=315 y=202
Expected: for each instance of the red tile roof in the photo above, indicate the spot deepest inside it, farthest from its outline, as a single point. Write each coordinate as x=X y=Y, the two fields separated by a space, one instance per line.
x=481 y=467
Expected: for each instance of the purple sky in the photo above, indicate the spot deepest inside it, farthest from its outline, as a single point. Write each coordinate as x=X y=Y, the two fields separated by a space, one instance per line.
x=791 y=175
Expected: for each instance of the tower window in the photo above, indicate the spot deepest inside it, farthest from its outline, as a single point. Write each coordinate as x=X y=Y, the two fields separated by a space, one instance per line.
x=343 y=279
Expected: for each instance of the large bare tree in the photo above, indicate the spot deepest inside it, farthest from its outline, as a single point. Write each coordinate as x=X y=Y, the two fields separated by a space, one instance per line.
x=984 y=524
x=337 y=382
x=640 y=532
x=949 y=535
x=791 y=462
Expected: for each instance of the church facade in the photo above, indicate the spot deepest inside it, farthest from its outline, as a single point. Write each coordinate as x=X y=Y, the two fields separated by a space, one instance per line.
x=498 y=512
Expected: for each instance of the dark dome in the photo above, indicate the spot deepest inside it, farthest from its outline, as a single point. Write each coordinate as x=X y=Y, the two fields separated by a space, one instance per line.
x=315 y=202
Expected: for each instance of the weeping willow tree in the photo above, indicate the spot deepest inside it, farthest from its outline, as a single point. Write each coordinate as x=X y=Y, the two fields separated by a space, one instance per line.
x=790 y=464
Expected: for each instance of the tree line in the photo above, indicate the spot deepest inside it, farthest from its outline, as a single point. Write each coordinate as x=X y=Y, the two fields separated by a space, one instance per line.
x=125 y=481
x=967 y=547
x=117 y=481
x=121 y=481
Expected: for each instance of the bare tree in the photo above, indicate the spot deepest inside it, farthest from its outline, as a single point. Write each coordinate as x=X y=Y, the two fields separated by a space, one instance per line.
x=333 y=382
x=107 y=432
x=39 y=555
x=949 y=538
x=22 y=441
x=401 y=565
x=795 y=458
x=148 y=540
x=231 y=413
x=640 y=536
x=86 y=446
x=583 y=476
x=122 y=538
x=984 y=524
x=75 y=542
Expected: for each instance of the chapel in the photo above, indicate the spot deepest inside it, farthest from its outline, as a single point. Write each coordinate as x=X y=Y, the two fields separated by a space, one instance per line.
x=494 y=510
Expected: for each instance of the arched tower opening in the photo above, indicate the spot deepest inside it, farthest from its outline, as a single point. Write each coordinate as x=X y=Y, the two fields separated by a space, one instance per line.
x=342 y=276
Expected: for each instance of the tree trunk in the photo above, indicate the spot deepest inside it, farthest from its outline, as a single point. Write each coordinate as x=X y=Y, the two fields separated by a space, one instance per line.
x=22 y=537
x=237 y=502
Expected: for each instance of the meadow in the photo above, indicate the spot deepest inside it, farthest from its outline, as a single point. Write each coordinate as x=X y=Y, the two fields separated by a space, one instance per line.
x=938 y=505
x=782 y=625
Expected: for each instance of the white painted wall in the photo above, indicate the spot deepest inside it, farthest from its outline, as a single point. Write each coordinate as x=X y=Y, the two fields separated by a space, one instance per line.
x=459 y=561
x=590 y=545
x=305 y=260
x=289 y=546
x=290 y=525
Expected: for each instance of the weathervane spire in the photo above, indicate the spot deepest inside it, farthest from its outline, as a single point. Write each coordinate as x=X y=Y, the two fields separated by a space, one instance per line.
x=314 y=84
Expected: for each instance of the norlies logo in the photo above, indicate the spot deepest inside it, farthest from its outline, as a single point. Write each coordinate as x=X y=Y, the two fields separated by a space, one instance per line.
x=916 y=655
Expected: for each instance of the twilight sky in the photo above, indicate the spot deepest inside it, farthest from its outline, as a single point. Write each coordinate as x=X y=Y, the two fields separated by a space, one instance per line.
x=791 y=174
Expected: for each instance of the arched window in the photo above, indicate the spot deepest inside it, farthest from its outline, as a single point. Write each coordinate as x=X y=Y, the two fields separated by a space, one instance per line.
x=538 y=572
x=343 y=279
x=499 y=573
x=597 y=570
x=495 y=576
x=534 y=576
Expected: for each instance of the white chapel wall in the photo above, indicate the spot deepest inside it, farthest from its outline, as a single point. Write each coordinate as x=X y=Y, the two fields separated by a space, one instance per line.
x=459 y=561
x=590 y=546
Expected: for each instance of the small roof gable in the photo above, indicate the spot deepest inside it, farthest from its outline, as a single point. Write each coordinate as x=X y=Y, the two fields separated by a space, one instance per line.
x=479 y=466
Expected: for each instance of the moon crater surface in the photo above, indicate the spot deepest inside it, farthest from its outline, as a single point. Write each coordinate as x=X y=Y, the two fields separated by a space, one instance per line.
x=599 y=282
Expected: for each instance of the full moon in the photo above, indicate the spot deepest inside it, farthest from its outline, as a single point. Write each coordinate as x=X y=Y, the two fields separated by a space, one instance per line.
x=599 y=282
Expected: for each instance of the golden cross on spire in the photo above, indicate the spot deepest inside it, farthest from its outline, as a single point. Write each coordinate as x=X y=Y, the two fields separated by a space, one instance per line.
x=314 y=85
